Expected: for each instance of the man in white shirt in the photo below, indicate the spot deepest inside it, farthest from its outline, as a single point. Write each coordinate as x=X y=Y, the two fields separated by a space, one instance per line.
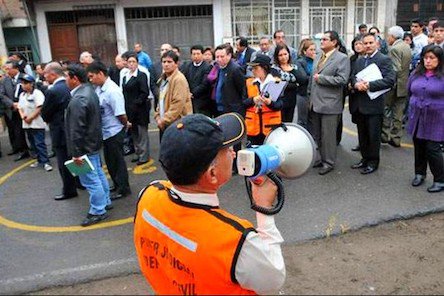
x=215 y=252
x=419 y=38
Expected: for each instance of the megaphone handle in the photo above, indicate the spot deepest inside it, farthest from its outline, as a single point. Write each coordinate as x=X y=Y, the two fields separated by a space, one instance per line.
x=280 y=196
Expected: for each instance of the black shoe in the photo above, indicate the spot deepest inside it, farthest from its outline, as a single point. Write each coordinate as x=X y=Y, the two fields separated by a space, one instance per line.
x=436 y=187
x=127 y=151
x=112 y=188
x=135 y=160
x=93 y=219
x=318 y=165
x=13 y=152
x=393 y=144
x=359 y=165
x=325 y=170
x=141 y=162
x=109 y=207
x=368 y=170
x=356 y=148
x=119 y=195
x=418 y=180
x=63 y=196
x=22 y=155
x=384 y=141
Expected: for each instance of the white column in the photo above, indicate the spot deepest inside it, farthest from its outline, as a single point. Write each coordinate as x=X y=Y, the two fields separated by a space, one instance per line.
x=3 y=49
x=119 y=19
x=350 y=24
x=227 y=25
x=381 y=14
x=218 y=22
x=305 y=19
x=43 y=35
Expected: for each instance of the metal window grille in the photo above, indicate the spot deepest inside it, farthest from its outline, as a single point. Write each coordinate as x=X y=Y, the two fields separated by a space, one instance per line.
x=25 y=49
x=80 y=16
x=253 y=19
x=365 y=12
x=328 y=15
x=142 y=13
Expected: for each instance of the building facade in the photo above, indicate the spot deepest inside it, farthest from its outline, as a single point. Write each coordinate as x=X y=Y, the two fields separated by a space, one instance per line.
x=106 y=27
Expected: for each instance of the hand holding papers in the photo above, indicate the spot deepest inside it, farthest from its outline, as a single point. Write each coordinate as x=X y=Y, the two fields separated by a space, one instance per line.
x=369 y=74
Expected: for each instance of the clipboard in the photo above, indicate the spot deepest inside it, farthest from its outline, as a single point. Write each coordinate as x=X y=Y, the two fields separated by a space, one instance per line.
x=275 y=89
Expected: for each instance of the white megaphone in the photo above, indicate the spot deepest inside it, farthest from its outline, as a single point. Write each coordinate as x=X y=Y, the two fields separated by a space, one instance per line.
x=289 y=151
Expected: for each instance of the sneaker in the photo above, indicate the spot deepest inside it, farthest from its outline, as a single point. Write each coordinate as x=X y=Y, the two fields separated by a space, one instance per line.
x=47 y=167
x=93 y=219
x=34 y=165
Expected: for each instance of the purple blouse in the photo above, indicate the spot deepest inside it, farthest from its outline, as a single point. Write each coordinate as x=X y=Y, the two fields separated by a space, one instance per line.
x=426 y=113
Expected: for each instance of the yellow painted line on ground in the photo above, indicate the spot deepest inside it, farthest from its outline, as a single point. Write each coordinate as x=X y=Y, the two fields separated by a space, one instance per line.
x=52 y=229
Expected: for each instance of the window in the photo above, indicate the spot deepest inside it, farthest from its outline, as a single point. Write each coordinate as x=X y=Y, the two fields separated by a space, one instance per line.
x=365 y=12
x=26 y=50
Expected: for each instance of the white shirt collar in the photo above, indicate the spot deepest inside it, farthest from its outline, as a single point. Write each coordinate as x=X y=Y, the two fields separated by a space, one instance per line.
x=373 y=54
x=16 y=77
x=105 y=85
x=197 y=65
x=208 y=199
x=75 y=89
x=61 y=78
x=267 y=80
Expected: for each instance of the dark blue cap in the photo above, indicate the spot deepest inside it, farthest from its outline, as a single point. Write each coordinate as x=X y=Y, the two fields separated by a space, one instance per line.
x=26 y=77
x=190 y=144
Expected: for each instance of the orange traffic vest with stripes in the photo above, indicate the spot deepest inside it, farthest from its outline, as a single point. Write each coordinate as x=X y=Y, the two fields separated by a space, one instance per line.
x=186 y=248
x=260 y=120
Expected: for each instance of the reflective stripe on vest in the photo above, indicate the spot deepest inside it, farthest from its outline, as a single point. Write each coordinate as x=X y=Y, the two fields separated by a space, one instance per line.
x=260 y=120
x=185 y=248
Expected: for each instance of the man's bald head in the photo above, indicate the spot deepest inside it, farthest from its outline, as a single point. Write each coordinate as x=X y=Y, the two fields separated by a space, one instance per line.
x=53 y=71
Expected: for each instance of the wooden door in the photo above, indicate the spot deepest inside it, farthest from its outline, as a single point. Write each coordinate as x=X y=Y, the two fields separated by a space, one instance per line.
x=64 y=42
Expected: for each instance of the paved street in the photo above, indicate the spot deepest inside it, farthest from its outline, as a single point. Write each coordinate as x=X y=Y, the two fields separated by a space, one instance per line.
x=41 y=244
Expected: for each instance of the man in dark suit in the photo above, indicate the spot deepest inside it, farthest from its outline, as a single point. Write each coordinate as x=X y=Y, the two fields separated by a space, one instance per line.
x=243 y=53
x=10 y=90
x=230 y=86
x=370 y=112
x=196 y=72
x=53 y=111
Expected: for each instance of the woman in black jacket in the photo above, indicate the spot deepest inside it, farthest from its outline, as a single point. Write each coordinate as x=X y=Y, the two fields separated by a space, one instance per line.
x=294 y=74
x=137 y=106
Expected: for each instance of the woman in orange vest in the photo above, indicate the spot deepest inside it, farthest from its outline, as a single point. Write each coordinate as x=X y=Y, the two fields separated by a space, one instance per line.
x=263 y=112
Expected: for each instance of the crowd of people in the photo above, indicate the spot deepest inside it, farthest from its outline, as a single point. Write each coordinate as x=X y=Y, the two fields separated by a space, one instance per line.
x=88 y=105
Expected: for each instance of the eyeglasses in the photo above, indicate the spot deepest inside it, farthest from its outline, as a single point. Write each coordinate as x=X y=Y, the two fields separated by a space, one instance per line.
x=325 y=39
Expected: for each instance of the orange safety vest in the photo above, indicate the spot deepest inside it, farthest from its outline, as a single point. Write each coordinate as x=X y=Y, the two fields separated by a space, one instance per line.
x=260 y=120
x=185 y=248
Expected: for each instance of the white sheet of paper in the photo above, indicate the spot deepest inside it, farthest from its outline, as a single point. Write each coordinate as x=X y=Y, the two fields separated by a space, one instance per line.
x=369 y=74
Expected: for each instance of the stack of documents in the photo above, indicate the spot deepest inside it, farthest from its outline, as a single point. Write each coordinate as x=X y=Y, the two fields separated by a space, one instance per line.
x=369 y=74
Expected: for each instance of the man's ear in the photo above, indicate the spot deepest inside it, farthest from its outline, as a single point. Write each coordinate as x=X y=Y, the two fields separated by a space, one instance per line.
x=211 y=174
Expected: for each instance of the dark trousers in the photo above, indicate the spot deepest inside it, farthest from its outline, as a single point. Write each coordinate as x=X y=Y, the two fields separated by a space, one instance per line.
x=323 y=128
x=16 y=133
x=369 y=134
x=429 y=152
x=69 y=182
x=36 y=138
x=287 y=114
x=115 y=161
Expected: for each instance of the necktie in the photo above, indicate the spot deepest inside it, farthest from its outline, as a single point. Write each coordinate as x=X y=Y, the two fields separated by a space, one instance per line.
x=321 y=61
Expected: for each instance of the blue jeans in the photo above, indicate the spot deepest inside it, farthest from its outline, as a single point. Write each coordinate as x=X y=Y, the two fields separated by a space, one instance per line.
x=97 y=185
x=36 y=138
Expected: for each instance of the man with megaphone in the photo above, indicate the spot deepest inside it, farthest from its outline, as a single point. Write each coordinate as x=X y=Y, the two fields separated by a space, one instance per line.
x=186 y=244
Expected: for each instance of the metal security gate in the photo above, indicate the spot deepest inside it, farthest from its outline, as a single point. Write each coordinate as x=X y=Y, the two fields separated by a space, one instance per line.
x=288 y=19
x=183 y=26
x=328 y=15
